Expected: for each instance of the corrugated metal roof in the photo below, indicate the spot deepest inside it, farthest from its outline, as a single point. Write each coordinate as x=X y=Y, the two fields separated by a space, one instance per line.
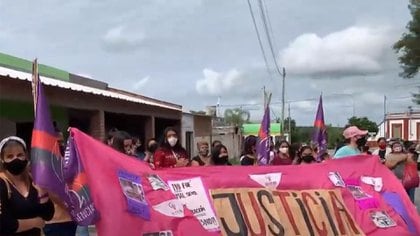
x=81 y=88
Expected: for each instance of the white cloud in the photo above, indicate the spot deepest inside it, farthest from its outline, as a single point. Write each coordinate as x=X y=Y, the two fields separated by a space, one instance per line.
x=216 y=83
x=141 y=83
x=352 y=51
x=121 y=39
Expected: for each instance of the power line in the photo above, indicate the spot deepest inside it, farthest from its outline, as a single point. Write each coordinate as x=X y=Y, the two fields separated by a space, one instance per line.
x=259 y=40
x=264 y=17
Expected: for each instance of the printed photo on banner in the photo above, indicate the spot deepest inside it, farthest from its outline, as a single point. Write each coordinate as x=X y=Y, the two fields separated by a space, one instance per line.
x=382 y=220
x=132 y=190
x=161 y=233
x=156 y=182
x=357 y=192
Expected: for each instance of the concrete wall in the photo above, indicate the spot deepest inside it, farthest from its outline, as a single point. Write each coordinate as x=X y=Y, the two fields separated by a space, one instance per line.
x=230 y=139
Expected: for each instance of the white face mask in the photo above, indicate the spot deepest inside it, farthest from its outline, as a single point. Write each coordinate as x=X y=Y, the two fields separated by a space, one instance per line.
x=284 y=150
x=397 y=149
x=172 y=141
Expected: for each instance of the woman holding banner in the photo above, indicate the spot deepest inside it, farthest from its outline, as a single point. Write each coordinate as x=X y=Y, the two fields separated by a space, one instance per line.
x=170 y=153
x=24 y=207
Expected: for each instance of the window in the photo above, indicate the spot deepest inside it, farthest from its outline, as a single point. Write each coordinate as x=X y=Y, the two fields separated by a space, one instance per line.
x=189 y=143
x=418 y=131
x=396 y=130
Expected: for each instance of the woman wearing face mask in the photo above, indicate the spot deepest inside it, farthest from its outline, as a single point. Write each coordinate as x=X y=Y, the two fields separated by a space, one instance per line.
x=306 y=155
x=170 y=153
x=355 y=139
x=383 y=149
x=219 y=156
x=283 y=157
x=396 y=159
x=249 y=156
x=24 y=207
x=203 y=158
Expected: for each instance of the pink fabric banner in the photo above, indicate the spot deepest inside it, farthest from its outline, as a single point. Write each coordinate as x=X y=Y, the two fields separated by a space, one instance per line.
x=198 y=200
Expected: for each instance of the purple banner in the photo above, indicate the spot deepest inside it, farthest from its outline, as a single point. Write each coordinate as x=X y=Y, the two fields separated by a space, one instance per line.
x=263 y=146
x=79 y=203
x=134 y=193
x=319 y=138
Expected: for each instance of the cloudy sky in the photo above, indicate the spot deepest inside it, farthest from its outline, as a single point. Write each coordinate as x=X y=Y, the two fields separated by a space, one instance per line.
x=192 y=52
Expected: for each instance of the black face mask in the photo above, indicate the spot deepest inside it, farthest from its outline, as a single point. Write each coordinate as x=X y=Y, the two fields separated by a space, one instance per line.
x=153 y=147
x=15 y=167
x=222 y=160
x=308 y=159
x=361 y=142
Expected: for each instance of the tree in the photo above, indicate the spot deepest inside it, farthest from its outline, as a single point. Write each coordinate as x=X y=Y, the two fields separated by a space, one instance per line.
x=286 y=125
x=334 y=134
x=236 y=116
x=409 y=44
x=198 y=112
x=364 y=123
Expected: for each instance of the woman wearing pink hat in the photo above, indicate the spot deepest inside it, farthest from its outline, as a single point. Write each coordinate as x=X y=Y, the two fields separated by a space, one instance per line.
x=355 y=138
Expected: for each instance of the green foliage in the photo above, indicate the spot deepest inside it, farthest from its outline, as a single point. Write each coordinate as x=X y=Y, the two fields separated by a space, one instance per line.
x=198 y=112
x=286 y=124
x=408 y=46
x=236 y=116
x=334 y=134
x=364 y=123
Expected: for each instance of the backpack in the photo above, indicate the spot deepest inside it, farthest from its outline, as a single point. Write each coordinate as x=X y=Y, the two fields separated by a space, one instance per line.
x=411 y=177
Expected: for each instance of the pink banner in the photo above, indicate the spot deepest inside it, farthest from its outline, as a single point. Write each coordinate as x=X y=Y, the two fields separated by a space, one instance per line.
x=227 y=200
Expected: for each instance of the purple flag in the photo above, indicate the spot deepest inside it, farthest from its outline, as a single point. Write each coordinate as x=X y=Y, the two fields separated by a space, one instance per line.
x=263 y=145
x=79 y=203
x=320 y=138
x=46 y=159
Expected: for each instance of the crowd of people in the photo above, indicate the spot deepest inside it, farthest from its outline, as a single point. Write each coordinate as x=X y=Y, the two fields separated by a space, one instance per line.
x=26 y=209
x=169 y=153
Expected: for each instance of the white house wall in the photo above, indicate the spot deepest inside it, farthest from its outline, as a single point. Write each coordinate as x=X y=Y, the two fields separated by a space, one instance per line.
x=412 y=129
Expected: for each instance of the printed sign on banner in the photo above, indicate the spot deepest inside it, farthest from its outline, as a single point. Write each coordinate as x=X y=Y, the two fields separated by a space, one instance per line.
x=245 y=211
x=173 y=208
x=133 y=191
x=191 y=193
x=270 y=180
x=336 y=179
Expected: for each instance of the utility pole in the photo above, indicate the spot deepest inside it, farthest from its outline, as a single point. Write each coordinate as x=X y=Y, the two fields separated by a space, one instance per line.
x=384 y=108
x=265 y=98
x=290 y=125
x=283 y=100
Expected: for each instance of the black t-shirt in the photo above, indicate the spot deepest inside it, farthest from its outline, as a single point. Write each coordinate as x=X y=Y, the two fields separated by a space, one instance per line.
x=17 y=207
x=198 y=159
x=382 y=153
x=247 y=161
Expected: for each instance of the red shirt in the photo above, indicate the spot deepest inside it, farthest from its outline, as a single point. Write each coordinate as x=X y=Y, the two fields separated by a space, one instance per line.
x=167 y=158
x=277 y=161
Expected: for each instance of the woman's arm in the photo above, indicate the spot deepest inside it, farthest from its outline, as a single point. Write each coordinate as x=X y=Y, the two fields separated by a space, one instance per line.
x=158 y=158
x=45 y=206
x=8 y=224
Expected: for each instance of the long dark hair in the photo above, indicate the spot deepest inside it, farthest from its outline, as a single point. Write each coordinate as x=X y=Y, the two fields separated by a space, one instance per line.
x=215 y=152
x=164 y=142
x=118 y=140
x=249 y=142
